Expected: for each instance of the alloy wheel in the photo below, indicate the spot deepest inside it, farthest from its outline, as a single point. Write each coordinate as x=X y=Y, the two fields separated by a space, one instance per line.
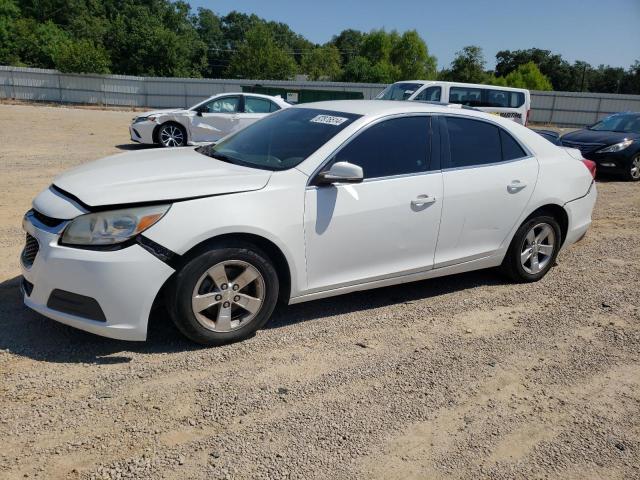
x=538 y=248
x=635 y=168
x=228 y=295
x=171 y=136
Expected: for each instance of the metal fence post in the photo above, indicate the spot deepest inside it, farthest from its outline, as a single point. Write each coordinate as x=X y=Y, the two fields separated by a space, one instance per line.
x=13 y=85
x=59 y=76
x=553 y=107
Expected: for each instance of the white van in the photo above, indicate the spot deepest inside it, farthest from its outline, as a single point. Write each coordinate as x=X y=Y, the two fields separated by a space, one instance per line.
x=513 y=103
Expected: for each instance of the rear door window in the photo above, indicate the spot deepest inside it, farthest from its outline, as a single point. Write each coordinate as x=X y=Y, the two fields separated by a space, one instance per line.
x=258 y=105
x=476 y=143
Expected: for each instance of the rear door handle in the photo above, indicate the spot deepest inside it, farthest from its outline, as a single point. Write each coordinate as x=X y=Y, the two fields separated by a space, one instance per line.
x=422 y=200
x=515 y=186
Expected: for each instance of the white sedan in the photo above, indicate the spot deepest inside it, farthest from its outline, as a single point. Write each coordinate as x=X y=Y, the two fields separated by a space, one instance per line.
x=316 y=200
x=206 y=122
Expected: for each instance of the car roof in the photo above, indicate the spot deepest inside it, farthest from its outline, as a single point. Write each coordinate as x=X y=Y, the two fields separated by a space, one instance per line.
x=463 y=84
x=251 y=94
x=374 y=108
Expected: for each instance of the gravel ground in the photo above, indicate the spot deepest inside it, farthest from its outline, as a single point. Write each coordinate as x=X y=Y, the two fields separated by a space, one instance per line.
x=464 y=377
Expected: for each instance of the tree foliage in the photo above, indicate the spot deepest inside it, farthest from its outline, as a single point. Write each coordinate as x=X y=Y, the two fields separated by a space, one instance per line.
x=167 y=38
x=322 y=63
x=260 y=57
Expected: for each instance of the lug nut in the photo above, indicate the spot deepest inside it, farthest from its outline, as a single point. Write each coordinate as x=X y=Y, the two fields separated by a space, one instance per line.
x=224 y=286
x=218 y=297
x=226 y=304
x=236 y=298
x=236 y=287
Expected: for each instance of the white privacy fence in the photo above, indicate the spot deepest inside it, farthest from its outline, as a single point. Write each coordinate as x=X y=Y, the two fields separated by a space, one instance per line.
x=571 y=109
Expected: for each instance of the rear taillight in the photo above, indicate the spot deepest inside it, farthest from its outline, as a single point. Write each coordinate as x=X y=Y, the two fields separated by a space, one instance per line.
x=526 y=121
x=591 y=166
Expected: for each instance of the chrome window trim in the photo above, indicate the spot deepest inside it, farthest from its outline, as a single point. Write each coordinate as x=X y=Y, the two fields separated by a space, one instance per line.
x=358 y=133
x=493 y=164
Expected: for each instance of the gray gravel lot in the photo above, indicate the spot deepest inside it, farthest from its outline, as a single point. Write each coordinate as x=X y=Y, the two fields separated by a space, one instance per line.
x=462 y=377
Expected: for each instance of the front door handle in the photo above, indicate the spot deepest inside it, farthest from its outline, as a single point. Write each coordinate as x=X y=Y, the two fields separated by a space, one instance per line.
x=422 y=200
x=516 y=186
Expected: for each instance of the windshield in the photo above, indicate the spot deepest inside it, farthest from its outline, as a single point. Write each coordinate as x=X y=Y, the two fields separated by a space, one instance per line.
x=626 y=123
x=399 y=91
x=281 y=140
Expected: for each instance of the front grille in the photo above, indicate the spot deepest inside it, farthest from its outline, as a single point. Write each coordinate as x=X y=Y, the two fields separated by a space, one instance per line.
x=585 y=148
x=30 y=251
x=48 y=221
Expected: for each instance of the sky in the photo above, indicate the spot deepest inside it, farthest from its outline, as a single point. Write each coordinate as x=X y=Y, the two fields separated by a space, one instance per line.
x=596 y=31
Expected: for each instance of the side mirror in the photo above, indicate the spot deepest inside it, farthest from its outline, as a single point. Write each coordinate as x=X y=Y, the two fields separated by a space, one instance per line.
x=199 y=113
x=340 y=172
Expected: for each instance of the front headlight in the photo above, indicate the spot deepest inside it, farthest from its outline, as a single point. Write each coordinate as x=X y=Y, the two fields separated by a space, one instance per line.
x=618 y=147
x=150 y=118
x=112 y=227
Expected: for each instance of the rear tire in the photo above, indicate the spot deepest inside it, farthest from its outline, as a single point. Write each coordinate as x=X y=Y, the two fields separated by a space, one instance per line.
x=172 y=135
x=223 y=295
x=633 y=172
x=533 y=249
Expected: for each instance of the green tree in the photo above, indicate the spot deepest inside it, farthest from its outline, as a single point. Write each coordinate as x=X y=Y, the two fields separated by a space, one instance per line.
x=631 y=80
x=411 y=55
x=322 y=62
x=357 y=70
x=528 y=76
x=81 y=56
x=467 y=66
x=259 y=57
x=9 y=13
x=209 y=28
x=36 y=43
x=551 y=65
x=348 y=42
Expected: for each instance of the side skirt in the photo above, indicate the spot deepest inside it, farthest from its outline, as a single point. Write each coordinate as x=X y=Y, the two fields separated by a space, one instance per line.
x=478 y=264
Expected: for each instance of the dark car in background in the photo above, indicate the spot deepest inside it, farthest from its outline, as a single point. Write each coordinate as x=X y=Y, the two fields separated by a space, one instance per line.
x=551 y=135
x=613 y=143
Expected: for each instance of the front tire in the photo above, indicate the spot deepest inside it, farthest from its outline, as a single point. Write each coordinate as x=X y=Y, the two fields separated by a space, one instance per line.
x=224 y=295
x=633 y=173
x=172 y=135
x=533 y=250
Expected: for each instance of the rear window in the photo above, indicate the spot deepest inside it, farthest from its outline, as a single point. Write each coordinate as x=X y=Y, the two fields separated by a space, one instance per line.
x=282 y=140
x=486 y=97
x=399 y=91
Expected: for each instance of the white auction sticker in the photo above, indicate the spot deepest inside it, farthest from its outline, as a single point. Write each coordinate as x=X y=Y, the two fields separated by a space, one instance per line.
x=328 y=120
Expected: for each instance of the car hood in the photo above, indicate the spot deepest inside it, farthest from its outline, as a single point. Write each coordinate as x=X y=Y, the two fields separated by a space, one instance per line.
x=162 y=112
x=157 y=175
x=600 y=137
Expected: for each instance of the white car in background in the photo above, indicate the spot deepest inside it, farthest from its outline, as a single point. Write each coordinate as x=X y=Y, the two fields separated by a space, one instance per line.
x=313 y=201
x=507 y=102
x=206 y=122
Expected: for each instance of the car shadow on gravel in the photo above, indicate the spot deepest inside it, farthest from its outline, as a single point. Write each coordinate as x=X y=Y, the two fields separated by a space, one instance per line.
x=382 y=297
x=26 y=333
x=134 y=146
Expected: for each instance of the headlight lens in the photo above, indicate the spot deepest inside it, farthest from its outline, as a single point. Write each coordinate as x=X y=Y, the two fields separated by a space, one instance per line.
x=618 y=147
x=112 y=227
x=150 y=118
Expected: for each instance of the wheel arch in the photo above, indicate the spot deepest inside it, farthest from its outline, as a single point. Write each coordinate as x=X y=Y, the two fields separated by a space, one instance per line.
x=157 y=128
x=275 y=254
x=556 y=211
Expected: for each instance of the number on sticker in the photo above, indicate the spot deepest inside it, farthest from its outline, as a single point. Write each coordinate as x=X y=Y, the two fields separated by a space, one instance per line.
x=328 y=120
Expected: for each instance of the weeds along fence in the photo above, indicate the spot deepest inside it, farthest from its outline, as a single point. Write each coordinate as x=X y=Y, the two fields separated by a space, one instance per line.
x=565 y=109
